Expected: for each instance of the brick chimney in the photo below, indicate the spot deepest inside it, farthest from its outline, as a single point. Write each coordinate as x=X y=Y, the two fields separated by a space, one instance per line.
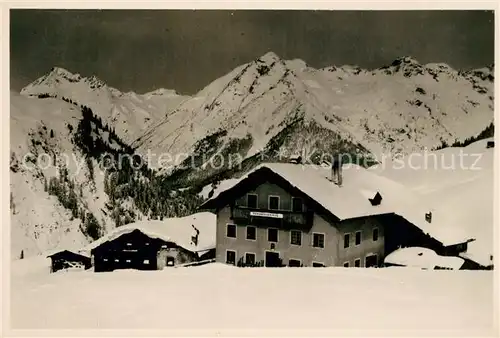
x=336 y=171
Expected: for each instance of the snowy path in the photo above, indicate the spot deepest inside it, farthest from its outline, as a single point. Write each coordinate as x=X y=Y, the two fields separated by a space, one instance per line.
x=217 y=298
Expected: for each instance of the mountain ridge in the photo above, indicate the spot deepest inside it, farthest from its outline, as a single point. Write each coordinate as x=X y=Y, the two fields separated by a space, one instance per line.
x=267 y=109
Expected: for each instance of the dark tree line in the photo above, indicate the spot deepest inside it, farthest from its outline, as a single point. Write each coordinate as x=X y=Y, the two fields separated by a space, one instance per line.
x=64 y=189
x=129 y=177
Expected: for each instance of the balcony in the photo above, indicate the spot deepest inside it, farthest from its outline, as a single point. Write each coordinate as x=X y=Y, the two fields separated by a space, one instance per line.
x=274 y=218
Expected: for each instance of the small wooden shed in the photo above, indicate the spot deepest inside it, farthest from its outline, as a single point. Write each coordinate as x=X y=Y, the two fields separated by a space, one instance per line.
x=67 y=259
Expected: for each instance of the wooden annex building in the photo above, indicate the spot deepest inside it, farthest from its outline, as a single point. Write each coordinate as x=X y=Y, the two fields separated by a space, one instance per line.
x=154 y=245
x=67 y=259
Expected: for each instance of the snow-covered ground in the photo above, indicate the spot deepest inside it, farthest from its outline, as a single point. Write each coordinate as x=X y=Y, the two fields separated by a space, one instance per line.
x=459 y=183
x=220 y=298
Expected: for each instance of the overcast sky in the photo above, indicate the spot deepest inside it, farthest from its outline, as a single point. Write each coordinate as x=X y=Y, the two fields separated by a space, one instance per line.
x=186 y=50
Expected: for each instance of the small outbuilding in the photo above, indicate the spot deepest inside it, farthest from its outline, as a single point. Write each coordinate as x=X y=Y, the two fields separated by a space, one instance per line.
x=67 y=259
x=154 y=245
x=423 y=258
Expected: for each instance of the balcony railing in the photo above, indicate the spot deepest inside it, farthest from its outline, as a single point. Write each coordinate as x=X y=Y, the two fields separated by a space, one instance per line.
x=276 y=218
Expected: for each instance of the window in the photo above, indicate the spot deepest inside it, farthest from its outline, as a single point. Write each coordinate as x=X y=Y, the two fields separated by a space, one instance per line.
x=231 y=230
x=230 y=257
x=274 y=202
x=318 y=240
x=250 y=258
x=358 y=238
x=371 y=260
x=272 y=235
x=146 y=261
x=357 y=263
x=296 y=237
x=375 y=234
x=347 y=240
x=251 y=233
x=297 y=204
x=294 y=263
x=318 y=265
x=346 y=264
x=252 y=201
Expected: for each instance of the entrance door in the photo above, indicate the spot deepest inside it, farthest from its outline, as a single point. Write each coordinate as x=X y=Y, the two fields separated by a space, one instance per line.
x=273 y=259
x=371 y=261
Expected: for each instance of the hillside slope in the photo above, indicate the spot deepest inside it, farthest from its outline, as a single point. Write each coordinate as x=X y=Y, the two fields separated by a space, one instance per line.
x=459 y=182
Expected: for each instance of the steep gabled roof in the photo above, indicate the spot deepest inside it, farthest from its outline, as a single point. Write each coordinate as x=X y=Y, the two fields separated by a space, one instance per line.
x=68 y=253
x=345 y=202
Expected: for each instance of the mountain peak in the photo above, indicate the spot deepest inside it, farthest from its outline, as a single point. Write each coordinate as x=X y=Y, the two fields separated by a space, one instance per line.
x=162 y=92
x=269 y=57
x=406 y=60
x=60 y=71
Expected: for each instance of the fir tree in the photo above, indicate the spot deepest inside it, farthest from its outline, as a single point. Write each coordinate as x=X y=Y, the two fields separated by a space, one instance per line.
x=92 y=227
x=12 y=204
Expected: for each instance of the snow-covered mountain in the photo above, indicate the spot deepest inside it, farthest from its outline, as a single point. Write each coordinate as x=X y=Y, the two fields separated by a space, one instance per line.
x=268 y=106
x=402 y=107
x=129 y=113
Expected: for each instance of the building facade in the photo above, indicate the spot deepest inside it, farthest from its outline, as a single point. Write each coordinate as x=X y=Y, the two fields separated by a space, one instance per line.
x=136 y=250
x=268 y=222
x=289 y=233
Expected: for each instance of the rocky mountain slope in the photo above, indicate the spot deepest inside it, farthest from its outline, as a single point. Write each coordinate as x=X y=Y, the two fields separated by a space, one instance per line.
x=267 y=109
x=402 y=107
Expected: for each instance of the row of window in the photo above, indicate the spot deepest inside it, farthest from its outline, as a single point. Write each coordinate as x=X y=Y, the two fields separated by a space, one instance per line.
x=274 y=202
x=318 y=240
x=272 y=235
x=358 y=237
x=370 y=260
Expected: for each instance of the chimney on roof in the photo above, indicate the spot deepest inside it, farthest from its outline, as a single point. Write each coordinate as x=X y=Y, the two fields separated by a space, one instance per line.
x=336 y=170
x=376 y=199
x=428 y=217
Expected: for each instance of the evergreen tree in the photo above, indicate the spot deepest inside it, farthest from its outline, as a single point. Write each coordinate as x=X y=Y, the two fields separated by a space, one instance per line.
x=92 y=227
x=12 y=204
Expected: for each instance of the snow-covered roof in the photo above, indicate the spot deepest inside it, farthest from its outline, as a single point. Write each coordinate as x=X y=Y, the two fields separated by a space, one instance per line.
x=423 y=258
x=177 y=230
x=351 y=200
